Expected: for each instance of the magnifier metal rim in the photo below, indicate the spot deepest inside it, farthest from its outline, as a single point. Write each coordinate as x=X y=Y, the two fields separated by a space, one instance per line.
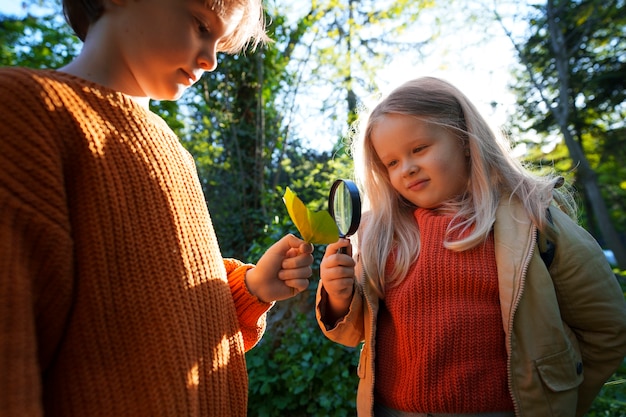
x=355 y=199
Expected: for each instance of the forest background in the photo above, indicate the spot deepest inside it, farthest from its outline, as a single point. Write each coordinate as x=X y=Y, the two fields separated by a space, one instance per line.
x=280 y=116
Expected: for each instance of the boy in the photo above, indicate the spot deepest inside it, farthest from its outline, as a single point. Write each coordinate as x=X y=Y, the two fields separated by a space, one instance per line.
x=114 y=297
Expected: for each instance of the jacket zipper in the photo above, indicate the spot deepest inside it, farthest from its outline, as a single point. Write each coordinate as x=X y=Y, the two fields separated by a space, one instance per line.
x=522 y=281
x=372 y=336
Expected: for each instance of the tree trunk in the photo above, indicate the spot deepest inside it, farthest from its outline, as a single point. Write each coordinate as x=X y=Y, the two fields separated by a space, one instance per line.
x=561 y=113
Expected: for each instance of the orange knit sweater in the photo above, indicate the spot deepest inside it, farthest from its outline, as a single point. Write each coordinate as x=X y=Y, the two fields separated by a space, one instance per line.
x=440 y=344
x=114 y=298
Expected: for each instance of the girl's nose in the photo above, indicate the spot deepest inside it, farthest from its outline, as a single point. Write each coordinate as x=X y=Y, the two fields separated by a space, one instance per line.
x=409 y=168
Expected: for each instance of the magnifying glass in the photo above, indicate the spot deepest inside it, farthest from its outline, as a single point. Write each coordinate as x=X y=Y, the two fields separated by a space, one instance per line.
x=344 y=204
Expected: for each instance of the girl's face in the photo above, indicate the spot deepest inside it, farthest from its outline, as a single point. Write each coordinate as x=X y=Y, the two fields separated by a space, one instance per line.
x=162 y=47
x=426 y=163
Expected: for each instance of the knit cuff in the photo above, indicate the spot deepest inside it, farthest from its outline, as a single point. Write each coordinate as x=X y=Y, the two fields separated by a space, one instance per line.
x=250 y=308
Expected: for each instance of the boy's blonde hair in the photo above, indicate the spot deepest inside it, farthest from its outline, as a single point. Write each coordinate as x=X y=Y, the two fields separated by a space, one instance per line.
x=250 y=32
x=391 y=228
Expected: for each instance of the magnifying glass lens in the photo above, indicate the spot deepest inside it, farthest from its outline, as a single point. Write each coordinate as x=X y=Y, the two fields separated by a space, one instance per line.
x=344 y=204
x=342 y=209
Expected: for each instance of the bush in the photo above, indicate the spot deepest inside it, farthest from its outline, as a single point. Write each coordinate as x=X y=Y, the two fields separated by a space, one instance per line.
x=298 y=372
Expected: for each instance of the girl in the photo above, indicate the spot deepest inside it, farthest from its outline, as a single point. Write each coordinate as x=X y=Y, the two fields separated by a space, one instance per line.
x=459 y=313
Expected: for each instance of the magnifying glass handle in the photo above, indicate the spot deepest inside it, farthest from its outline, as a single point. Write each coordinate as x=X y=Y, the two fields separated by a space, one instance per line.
x=344 y=249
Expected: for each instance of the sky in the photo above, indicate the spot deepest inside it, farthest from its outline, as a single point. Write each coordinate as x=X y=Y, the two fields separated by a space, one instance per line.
x=479 y=68
x=478 y=63
x=11 y=7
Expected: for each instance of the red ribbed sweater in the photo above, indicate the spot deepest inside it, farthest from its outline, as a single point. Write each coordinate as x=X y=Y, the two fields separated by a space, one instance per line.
x=440 y=343
x=114 y=298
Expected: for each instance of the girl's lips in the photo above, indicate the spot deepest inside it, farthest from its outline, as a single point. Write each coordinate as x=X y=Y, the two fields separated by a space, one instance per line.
x=417 y=185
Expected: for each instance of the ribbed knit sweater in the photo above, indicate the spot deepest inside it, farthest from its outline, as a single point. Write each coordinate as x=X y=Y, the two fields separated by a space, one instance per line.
x=440 y=344
x=114 y=297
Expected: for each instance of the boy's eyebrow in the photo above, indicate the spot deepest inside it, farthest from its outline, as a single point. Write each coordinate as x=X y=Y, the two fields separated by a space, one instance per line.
x=204 y=3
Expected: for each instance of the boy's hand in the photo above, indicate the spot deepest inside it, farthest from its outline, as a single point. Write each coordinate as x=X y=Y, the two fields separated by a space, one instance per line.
x=337 y=276
x=283 y=271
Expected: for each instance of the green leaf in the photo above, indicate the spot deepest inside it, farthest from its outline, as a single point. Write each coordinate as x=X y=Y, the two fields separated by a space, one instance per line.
x=314 y=227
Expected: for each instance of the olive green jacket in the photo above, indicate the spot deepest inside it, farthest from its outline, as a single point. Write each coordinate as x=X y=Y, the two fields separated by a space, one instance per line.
x=565 y=328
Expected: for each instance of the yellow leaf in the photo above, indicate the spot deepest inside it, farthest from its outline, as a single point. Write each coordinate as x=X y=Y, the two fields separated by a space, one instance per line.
x=314 y=227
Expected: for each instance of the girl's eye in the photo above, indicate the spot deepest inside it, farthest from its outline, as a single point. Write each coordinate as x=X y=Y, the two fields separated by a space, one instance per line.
x=418 y=149
x=392 y=164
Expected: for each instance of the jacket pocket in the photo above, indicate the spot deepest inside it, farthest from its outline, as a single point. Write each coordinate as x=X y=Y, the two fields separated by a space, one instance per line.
x=562 y=371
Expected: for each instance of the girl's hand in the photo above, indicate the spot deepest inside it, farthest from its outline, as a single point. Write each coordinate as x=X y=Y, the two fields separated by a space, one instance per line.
x=283 y=271
x=337 y=276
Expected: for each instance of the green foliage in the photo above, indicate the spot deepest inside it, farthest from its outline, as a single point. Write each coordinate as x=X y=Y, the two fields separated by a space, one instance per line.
x=336 y=48
x=36 y=41
x=295 y=371
x=301 y=373
x=594 y=43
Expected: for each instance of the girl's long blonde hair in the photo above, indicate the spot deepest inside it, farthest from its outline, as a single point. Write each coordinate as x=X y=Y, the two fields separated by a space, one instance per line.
x=390 y=227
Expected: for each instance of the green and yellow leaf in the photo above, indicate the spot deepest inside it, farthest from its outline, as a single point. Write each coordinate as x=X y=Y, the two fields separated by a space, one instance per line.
x=314 y=227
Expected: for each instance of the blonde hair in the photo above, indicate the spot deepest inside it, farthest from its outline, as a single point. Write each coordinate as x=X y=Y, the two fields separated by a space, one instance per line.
x=493 y=174
x=250 y=32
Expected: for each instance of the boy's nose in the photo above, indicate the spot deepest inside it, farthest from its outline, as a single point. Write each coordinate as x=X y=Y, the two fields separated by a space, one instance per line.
x=207 y=58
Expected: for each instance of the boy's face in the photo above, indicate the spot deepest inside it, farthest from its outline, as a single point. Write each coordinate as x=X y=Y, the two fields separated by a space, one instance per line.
x=164 y=46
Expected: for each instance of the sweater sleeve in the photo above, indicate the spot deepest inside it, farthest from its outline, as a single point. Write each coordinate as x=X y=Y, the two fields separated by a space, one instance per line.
x=35 y=249
x=19 y=379
x=250 y=310
x=349 y=330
